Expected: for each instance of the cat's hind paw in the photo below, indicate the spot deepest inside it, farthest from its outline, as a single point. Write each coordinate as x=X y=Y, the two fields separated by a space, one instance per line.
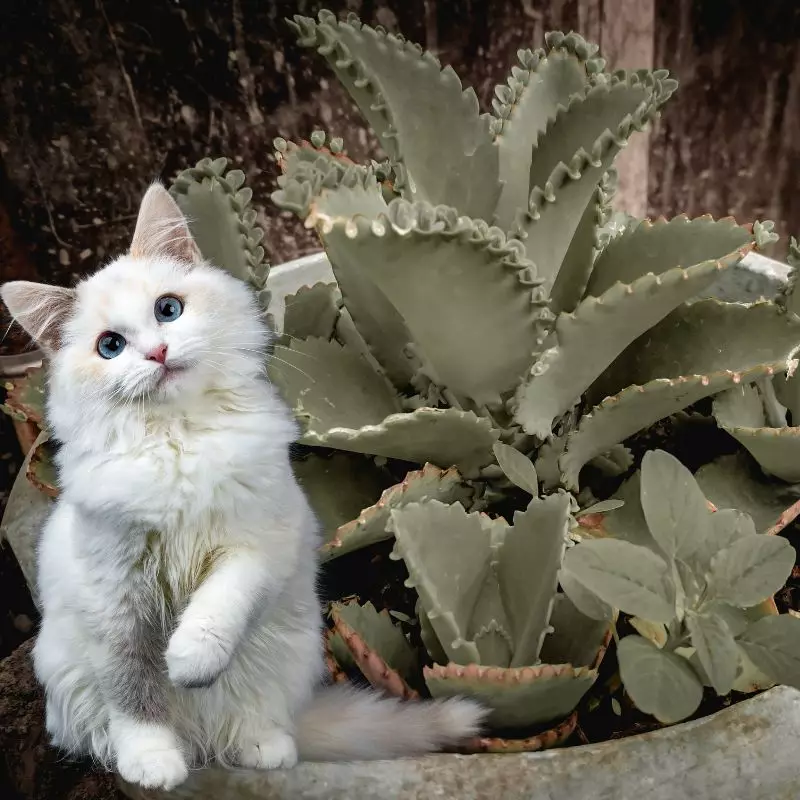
x=273 y=749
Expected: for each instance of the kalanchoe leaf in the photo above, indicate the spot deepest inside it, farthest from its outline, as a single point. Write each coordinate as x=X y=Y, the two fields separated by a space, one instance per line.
x=716 y=649
x=341 y=655
x=329 y=385
x=438 y=435
x=536 y=541
x=751 y=569
x=343 y=404
x=25 y=396
x=576 y=128
x=517 y=697
x=542 y=83
x=676 y=510
x=338 y=486
x=428 y=536
x=429 y=637
x=662 y=245
x=555 y=210
x=41 y=470
x=576 y=639
x=371 y=524
x=216 y=209
x=573 y=274
x=27 y=509
x=626 y=576
x=592 y=337
x=410 y=102
x=739 y=411
x=518 y=467
x=734 y=481
x=785 y=396
x=330 y=187
x=587 y=602
x=658 y=681
x=760 y=341
x=773 y=645
x=377 y=646
x=685 y=343
x=312 y=311
x=477 y=347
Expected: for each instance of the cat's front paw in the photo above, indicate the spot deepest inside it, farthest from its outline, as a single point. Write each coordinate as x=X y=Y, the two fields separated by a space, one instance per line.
x=152 y=759
x=196 y=655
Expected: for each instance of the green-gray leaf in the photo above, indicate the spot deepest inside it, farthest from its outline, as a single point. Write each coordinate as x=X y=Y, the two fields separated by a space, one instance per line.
x=728 y=525
x=517 y=467
x=773 y=645
x=588 y=603
x=527 y=568
x=716 y=649
x=658 y=681
x=751 y=569
x=627 y=576
x=674 y=507
x=603 y=507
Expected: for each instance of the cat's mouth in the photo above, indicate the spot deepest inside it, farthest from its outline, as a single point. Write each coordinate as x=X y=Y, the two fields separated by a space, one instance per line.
x=170 y=372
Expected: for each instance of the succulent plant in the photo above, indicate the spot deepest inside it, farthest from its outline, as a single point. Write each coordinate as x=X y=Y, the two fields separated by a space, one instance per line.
x=698 y=584
x=492 y=621
x=484 y=290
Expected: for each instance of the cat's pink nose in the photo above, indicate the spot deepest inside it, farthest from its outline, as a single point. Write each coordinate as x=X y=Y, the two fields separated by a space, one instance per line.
x=158 y=354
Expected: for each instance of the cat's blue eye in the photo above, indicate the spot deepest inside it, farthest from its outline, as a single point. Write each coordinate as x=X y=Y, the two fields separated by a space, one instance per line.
x=168 y=308
x=110 y=344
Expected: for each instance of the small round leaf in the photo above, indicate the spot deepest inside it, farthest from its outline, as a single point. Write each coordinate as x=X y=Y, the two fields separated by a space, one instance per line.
x=659 y=682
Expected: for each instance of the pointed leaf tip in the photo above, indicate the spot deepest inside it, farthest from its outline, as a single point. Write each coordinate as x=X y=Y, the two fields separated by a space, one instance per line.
x=517 y=467
x=676 y=510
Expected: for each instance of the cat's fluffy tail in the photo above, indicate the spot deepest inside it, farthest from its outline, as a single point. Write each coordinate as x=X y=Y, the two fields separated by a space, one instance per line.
x=343 y=723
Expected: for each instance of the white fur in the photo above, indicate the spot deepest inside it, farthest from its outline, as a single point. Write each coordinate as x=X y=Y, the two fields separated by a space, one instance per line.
x=182 y=489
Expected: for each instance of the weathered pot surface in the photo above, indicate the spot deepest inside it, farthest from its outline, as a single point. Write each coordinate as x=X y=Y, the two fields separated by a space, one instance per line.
x=746 y=752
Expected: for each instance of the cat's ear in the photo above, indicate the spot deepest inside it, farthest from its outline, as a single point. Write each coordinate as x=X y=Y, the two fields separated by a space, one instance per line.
x=162 y=230
x=40 y=309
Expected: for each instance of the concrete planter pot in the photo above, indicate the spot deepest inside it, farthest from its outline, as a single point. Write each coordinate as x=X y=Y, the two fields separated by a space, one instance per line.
x=747 y=751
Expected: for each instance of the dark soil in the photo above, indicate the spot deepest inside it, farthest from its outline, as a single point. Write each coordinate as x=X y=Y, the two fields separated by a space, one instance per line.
x=29 y=767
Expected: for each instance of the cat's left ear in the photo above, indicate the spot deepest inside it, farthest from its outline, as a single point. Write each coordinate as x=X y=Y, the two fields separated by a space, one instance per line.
x=40 y=309
x=162 y=230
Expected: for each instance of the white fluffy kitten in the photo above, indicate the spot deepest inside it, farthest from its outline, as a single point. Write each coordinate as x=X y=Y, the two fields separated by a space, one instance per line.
x=178 y=569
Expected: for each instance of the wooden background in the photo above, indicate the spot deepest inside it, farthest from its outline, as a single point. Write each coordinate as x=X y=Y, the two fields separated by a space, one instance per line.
x=97 y=97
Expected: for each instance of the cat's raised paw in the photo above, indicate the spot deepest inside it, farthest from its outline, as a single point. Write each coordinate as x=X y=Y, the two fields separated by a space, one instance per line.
x=153 y=768
x=273 y=749
x=195 y=655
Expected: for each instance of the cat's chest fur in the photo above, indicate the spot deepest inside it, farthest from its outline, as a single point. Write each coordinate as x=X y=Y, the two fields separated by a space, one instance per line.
x=184 y=475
